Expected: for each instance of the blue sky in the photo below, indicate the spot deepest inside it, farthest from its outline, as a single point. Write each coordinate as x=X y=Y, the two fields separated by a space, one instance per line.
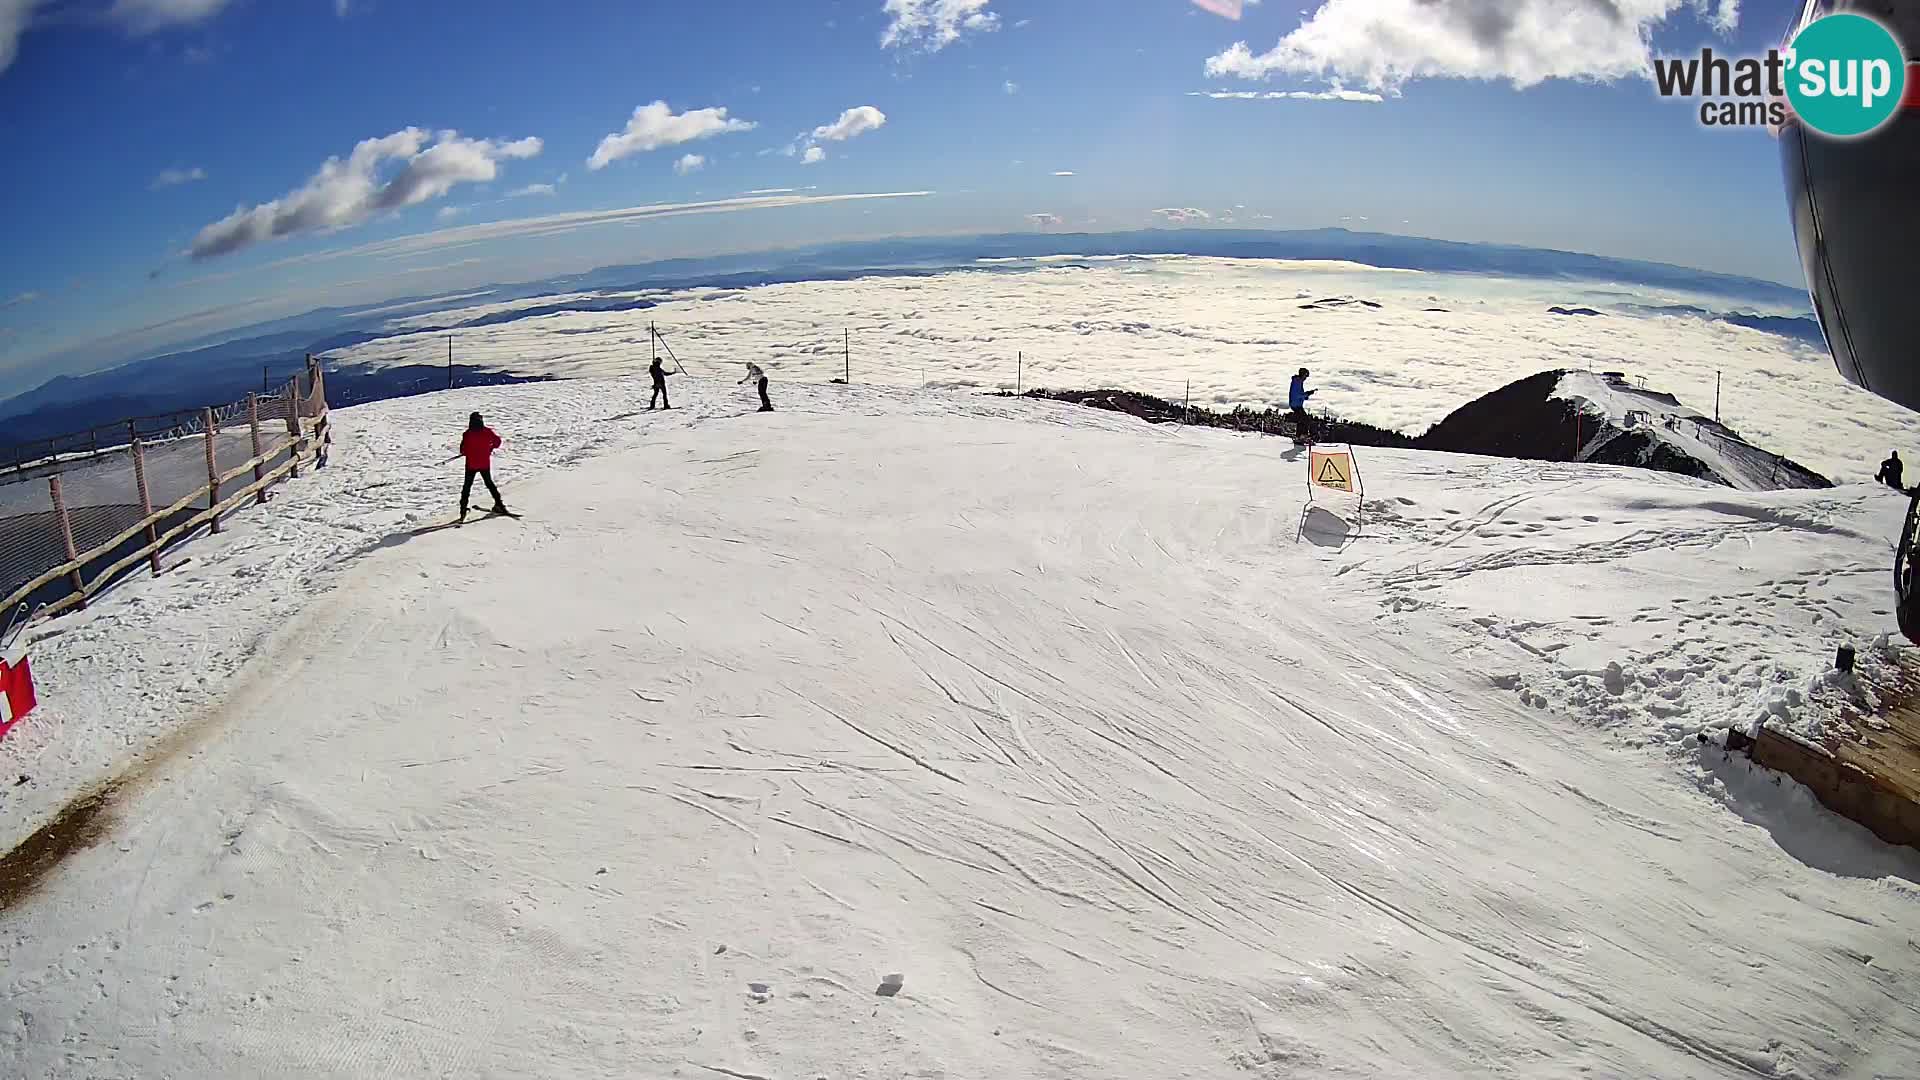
x=167 y=156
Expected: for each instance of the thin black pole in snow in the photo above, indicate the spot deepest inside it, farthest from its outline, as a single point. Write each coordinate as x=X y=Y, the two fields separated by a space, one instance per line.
x=677 y=365
x=449 y=361
x=1019 y=373
x=847 y=372
x=1716 y=397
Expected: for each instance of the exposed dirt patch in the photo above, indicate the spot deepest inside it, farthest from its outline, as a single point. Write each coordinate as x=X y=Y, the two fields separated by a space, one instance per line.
x=82 y=824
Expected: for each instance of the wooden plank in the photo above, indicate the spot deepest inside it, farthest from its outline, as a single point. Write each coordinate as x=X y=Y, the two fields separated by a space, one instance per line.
x=213 y=468
x=1843 y=787
x=246 y=467
x=66 y=530
x=146 y=493
x=253 y=425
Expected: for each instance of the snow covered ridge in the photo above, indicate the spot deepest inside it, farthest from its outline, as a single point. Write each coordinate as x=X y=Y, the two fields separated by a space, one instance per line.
x=1639 y=426
x=1552 y=416
x=941 y=734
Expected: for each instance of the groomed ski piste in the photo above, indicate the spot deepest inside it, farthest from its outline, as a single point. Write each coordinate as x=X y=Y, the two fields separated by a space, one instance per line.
x=1076 y=724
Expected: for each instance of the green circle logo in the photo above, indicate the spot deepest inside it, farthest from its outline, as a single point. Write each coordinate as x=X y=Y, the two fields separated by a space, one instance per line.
x=1846 y=75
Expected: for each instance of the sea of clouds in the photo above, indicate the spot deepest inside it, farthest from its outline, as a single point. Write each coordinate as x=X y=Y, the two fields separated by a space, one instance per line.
x=1233 y=331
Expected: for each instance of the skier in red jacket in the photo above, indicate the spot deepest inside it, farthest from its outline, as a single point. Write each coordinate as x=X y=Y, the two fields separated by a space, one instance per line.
x=477 y=446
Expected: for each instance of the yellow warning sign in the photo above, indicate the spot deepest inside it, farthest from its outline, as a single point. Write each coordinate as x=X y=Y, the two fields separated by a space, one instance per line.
x=1331 y=469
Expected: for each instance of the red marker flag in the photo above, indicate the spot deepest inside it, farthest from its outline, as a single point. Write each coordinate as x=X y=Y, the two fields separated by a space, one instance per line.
x=16 y=694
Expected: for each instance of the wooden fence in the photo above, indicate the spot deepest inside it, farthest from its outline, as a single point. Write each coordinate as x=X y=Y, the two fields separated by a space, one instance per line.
x=256 y=470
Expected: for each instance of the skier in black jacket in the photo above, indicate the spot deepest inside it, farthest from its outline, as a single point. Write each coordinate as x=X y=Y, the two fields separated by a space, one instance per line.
x=659 y=374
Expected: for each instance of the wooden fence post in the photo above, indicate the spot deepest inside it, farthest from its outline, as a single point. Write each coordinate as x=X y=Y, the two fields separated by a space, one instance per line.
x=253 y=424
x=213 y=471
x=293 y=424
x=146 y=497
x=66 y=535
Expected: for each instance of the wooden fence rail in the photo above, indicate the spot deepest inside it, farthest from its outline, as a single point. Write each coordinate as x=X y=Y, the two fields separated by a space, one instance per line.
x=106 y=576
x=217 y=506
x=289 y=404
x=78 y=561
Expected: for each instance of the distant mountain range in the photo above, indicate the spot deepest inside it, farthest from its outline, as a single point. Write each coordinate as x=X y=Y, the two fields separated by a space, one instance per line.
x=224 y=366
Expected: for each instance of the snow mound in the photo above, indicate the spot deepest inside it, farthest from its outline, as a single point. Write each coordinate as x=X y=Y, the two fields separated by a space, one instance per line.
x=938 y=734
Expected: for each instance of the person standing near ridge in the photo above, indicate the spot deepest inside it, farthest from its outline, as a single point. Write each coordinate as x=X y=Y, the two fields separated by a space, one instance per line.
x=477 y=446
x=1297 y=395
x=755 y=375
x=659 y=374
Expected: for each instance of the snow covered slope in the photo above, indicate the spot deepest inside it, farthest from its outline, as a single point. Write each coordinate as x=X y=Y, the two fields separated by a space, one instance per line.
x=1070 y=720
x=1657 y=427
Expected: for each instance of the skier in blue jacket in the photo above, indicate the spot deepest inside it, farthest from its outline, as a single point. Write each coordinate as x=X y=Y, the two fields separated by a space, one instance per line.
x=1297 y=395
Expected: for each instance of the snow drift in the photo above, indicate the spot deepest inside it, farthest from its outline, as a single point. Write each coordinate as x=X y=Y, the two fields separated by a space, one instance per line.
x=1059 y=716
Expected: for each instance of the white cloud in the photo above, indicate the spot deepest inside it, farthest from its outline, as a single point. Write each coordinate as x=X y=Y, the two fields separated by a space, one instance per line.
x=1287 y=95
x=1383 y=44
x=176 y=177
x=146 y=16
x=690 y=163
x=1226 y=9
x=14 y=17
x=655 y=126
x=532 y=189
x=342 y=7
x=1045 y=220
x=852 y=123
x=935 y=24
x=549 y=225
x=344 y=193
x=1183 y=215
x=23 y=298
x=1012 y=87
x=1064 y=173
x=448 y=213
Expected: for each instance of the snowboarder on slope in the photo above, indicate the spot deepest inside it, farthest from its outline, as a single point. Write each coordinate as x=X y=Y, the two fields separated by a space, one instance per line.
x=1297 y=395
x=659 y=374
x=1890 y=471
x=477 y=446
x=755 y=375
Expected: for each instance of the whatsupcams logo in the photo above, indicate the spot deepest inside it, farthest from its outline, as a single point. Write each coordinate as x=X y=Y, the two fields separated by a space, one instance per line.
x=1842 y=76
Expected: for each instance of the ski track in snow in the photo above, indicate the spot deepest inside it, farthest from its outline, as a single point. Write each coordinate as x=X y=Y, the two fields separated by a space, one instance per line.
x=1046 y=709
